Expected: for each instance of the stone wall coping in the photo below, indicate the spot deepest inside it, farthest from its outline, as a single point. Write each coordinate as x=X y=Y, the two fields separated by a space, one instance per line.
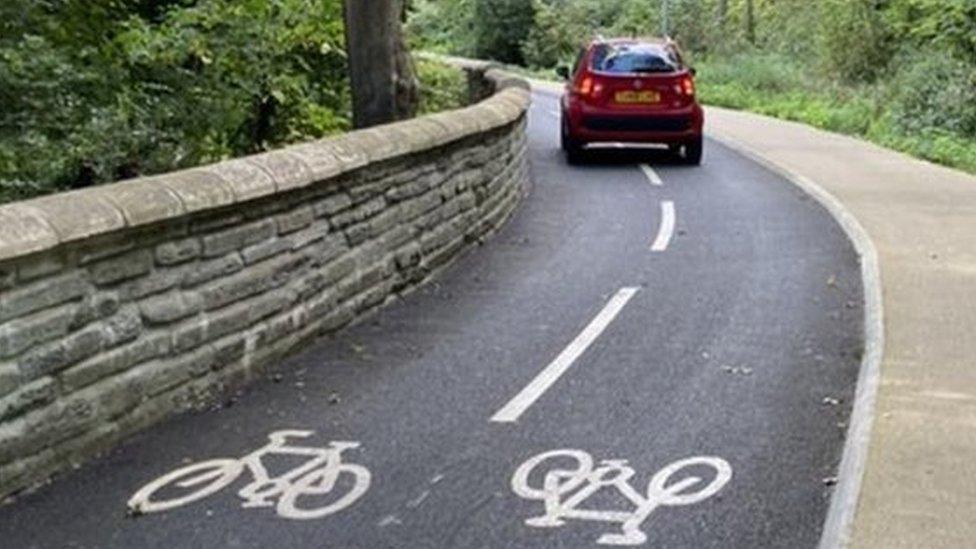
x=41 y=224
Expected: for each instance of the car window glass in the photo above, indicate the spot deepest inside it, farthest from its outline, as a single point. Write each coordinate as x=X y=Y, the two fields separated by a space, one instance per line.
x=624 y=60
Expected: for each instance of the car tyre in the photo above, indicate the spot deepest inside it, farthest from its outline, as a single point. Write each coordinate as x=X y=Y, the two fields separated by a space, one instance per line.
x=572 y=148
x=693 y=151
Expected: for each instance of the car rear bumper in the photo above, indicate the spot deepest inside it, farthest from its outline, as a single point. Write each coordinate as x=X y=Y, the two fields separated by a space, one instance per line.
x=606 y=126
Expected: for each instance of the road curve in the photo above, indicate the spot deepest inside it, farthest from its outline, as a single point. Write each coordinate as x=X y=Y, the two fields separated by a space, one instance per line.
x=735 y=339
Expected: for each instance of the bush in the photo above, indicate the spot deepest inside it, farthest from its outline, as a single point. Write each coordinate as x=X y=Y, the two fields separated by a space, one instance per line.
x=442 y=87
x=855 y=41
x=932 y=90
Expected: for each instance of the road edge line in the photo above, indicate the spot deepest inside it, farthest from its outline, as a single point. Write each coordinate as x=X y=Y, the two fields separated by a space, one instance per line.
x=839 y=523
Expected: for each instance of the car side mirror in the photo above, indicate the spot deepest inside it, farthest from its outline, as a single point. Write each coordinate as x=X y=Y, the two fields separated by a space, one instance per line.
x=693 y=71
x=563 y=72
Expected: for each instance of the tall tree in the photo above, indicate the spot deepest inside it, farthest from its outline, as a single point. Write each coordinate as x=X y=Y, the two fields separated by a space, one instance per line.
x=381 y=72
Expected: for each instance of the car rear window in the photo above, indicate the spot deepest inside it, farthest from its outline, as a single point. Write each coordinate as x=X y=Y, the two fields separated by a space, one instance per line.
x=629 y=59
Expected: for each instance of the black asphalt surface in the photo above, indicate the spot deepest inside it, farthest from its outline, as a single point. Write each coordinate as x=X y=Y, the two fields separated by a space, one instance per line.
x=741 y=334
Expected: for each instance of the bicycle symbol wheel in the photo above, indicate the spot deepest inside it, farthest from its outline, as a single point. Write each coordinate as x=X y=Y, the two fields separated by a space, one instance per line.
x=208 y=477
x=568 y=479
x=320 y=482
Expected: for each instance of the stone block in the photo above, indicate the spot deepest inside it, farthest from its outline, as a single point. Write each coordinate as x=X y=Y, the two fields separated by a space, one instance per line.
x=42 y=294
x=206 y=271
x=24 y=231
x=359 y=213
x=349 y=154
x=20 y=334
x=123 y=327
x=246 y=180
x=122 y=267
x=237 y=238
x=9 y=377
x=308 y=236
x=39 y=267
x=242 y=315
x=287 y=170
x=267 y=249
x=198 y=189
x=77 y=214
x=190 y=334
x=320 y=159
x=115 y=361
x=8 y=276
x=160 y=376
x=56 y=356
x=228 y=350
x=294 y=220
x=170 y=307
x=32 y=395
x=178 y=251
x=142 y=201
x=332 y=204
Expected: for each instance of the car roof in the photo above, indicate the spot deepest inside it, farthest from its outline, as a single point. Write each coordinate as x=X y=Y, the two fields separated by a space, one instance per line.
x=635 y=41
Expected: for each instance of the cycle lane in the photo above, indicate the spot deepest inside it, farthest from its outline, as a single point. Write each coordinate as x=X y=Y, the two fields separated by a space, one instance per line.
x=417 y=384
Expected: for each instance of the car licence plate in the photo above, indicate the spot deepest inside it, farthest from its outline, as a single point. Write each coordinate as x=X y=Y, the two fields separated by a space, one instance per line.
x=631 y=97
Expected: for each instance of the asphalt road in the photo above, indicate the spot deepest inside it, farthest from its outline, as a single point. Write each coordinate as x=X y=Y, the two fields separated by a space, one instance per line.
x=737 y=338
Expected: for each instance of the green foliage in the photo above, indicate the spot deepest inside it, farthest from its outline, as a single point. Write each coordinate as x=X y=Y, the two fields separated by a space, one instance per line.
x=501 y=27
x=855 y=42
x=442 y=26
x=94 y=91
x=931 y=90
x=947 y=25
x=553 y=38
x=442 y=87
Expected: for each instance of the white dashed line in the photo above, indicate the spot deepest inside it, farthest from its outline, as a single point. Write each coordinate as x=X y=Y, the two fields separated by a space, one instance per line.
x=666 y=230
x=522 y=401
x=651 y=175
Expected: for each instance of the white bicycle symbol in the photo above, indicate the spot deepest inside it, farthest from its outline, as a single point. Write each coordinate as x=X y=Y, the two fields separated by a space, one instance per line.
x=561 y=503
x=317 y=477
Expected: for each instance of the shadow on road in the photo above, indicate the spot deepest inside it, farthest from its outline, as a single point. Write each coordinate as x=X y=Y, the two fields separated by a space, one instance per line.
x=613 y=157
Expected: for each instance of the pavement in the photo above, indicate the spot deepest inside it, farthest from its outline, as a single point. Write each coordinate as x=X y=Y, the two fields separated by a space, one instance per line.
x=663 y=357
x=919 y=483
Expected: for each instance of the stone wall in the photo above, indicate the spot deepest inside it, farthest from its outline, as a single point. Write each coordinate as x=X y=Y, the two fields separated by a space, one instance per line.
x=124 y=304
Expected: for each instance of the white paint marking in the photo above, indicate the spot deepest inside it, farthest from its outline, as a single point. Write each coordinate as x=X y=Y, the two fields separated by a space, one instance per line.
x=414 y=503
x=666 y=231
x=521 y=402
x=389 y=520
x=554 y=113
x=651 y=175
x=564 y=490
x=317 y=476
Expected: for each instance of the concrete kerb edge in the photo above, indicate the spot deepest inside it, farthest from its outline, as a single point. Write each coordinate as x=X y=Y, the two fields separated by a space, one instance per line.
x=839 y=523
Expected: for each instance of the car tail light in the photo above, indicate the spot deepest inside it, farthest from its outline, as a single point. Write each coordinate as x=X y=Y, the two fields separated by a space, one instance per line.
x=688 y=86
x=585 y=87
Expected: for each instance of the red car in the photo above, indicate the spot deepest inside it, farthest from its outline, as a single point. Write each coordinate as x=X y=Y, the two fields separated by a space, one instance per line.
x=631 y=90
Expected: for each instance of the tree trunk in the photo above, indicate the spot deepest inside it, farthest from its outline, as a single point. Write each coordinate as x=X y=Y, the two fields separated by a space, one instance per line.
x=370 y=29
x=407 y=87
x=381 y=71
